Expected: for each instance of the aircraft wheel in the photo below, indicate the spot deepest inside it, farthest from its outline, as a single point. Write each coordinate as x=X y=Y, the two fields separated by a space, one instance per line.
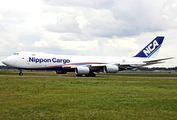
x=79 y=75
x=91 y=75
x=21 y=74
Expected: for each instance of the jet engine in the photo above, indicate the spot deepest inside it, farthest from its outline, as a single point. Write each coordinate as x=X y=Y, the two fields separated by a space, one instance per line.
x=111 y=69
x=60 y=72
x=82 y=71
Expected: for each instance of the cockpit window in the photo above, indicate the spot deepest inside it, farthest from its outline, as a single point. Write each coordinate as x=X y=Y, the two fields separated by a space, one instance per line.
x=16 y=53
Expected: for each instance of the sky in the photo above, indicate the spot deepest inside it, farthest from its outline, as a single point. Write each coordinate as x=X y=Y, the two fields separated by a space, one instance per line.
x=95 y=27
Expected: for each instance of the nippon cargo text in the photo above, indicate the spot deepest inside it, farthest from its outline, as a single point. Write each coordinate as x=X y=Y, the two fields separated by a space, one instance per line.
x=45 y=60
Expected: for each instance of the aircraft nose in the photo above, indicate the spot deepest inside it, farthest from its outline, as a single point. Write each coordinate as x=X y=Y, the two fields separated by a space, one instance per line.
x=6 y=61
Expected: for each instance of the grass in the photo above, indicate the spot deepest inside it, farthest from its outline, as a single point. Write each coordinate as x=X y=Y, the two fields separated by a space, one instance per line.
x=89 y=98
x=124 y=74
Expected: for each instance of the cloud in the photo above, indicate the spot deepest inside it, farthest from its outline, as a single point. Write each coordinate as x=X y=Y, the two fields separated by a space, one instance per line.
x=29 y=38
x=98 y=4
x=121 y=19
x=74 y=37
x=65 y=24
x=41 y=43
x=137 y=18
x=102 y=27
x=2 y=29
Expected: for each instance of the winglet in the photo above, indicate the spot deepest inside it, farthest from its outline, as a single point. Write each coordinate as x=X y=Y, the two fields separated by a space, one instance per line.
x=152 y=48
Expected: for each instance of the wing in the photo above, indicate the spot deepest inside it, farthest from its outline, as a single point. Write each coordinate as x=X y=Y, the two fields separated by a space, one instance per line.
x=121 y=66
x=132 y=65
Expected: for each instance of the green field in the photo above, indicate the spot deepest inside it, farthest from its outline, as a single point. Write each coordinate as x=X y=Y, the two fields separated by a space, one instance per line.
x=107 y=96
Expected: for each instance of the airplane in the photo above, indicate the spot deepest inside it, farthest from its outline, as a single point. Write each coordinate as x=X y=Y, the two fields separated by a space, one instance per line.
x=85 y=65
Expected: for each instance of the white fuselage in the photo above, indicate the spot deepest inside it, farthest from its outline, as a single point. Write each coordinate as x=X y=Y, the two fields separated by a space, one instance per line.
x=37 y=60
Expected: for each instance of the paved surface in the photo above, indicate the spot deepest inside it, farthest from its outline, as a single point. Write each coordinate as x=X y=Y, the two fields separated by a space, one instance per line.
x=84 y=76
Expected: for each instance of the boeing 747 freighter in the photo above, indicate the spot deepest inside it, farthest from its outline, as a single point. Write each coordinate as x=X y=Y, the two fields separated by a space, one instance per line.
x=85 y=65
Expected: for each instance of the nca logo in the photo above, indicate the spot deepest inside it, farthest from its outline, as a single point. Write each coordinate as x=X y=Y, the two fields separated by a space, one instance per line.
x=150 y=48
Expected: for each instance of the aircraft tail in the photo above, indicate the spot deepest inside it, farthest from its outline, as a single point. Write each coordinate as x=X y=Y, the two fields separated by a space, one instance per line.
x=151 y=50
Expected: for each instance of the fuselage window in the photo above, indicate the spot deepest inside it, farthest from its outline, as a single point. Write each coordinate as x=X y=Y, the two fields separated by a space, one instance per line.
x=16 y=53
x=33 y=55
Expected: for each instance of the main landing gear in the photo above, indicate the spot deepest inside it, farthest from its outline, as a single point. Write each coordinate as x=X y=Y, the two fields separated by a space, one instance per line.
x=91 y=74
x=20 y=72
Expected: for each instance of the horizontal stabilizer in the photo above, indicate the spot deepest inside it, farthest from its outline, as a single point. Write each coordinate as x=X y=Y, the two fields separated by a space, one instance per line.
x=157 y=60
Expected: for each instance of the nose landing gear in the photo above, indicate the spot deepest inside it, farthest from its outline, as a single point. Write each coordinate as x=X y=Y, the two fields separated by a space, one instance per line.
x=20 y=72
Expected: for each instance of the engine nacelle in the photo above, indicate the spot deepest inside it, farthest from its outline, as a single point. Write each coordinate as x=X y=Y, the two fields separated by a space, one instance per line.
x=82 y=71
x=60 y=72
x=111 y=69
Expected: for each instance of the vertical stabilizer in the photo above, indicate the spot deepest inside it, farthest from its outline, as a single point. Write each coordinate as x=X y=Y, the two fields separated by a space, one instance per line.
x=152 y=49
